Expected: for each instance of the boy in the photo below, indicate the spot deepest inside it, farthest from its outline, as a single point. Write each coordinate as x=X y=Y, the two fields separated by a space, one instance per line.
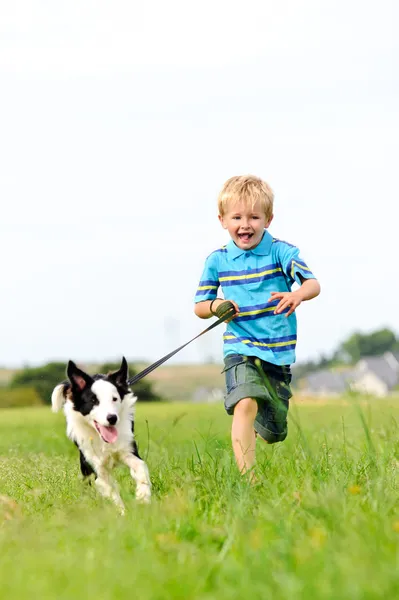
x=255 y=272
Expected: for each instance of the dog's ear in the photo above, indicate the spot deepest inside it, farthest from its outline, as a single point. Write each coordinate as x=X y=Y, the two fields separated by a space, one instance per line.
x=77 y=377
x=120 y=377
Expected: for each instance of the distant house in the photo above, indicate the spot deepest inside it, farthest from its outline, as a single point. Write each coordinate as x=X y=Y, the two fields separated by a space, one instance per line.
x=375 y=375
x=326 y=383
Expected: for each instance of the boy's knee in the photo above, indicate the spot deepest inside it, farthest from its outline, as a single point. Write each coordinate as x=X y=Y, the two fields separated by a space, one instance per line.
x=247 y=407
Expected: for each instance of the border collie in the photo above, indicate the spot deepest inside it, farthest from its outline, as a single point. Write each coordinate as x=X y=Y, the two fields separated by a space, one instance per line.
x=99 y=412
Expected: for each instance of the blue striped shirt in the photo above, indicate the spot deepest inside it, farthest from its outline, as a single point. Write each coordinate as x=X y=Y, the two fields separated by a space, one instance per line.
x=248 y=277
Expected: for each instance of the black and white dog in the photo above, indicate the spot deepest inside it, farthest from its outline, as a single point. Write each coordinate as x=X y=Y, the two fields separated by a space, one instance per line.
x=100 y=420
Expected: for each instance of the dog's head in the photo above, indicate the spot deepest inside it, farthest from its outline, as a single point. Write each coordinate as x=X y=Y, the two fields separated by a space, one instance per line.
x=99 y=398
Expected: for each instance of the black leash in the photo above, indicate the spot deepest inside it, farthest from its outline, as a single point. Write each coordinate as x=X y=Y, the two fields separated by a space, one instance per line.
x=160 y=361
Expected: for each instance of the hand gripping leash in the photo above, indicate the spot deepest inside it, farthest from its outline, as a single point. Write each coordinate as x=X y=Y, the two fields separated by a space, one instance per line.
x=224 y=311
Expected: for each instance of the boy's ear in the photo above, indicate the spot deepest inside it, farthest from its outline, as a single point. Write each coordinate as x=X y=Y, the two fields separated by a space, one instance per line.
x=77 y=377
x=221 y=219
x=270 y=220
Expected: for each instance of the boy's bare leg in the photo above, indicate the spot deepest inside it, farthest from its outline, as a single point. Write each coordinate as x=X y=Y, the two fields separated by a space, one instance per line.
x=243 y=434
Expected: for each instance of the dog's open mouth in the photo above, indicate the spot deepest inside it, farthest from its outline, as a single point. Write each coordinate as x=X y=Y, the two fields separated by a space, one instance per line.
x=108 y=434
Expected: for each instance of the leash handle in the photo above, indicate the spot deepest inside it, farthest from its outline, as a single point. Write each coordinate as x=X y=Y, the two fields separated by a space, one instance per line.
x=160 y=361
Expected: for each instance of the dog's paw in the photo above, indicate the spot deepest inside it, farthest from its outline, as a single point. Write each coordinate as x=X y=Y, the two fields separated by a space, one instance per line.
x=143 y=494
x=120 y=506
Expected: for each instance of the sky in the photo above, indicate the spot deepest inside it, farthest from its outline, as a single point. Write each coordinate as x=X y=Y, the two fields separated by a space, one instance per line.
x=120 y=121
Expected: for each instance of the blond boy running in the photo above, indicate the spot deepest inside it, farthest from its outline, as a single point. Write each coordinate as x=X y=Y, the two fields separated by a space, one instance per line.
x=256 y=272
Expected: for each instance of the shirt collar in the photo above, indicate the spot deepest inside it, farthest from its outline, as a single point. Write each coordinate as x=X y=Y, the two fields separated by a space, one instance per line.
x=262 y=249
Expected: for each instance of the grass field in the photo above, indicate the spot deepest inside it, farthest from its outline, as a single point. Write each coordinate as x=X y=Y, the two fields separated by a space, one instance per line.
x=323 y=523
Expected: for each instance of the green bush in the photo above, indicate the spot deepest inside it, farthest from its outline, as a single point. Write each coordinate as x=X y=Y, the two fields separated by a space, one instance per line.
x=42 y=379
x=18 y=397
x=142 y=389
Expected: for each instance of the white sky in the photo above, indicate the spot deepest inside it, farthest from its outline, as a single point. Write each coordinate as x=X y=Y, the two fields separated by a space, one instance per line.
x=121 y=120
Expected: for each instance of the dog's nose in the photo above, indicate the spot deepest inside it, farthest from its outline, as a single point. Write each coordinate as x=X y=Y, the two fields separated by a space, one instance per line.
x=112 y=419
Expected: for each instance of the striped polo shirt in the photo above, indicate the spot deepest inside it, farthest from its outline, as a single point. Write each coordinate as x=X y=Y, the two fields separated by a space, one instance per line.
x=248 y=277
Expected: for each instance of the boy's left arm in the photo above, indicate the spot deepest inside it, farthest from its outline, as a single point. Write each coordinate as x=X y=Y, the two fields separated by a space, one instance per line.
x=295 y=269
x=310 y=288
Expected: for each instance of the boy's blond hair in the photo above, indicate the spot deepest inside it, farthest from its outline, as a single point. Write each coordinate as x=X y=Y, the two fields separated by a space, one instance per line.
x=248 y=189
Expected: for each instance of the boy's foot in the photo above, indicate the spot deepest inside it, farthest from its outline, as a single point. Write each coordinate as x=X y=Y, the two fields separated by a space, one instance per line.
x=251 y=477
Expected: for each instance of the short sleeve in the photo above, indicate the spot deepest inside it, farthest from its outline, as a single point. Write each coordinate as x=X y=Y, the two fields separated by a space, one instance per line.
x=209 y=282
x=292 y=263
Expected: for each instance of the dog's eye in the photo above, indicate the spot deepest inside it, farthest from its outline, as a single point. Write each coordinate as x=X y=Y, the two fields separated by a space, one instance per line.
x=115 y=399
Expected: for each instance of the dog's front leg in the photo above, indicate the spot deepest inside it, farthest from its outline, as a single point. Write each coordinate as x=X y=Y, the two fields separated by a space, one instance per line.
x=140 y=474
x=108 y=488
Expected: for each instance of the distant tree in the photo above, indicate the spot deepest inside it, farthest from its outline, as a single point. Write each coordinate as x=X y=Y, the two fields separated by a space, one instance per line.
x=143 y=389
x=351 y=350
x=359 y=345
x=42 y=379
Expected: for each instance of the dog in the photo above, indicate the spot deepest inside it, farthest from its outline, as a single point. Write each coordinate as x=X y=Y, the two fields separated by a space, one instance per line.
x=99 y=412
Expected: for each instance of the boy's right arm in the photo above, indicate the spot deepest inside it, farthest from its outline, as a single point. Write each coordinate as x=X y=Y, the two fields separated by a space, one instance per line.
x=203 y=309
x=207 y=288
x=206 y=294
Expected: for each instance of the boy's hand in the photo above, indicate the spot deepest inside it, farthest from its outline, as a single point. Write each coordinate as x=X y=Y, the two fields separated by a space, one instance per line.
x=309 y=289
x=220 y=307
x=287 y=299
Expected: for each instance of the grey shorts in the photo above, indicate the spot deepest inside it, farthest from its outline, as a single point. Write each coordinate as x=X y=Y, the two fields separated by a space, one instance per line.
x=248 y=377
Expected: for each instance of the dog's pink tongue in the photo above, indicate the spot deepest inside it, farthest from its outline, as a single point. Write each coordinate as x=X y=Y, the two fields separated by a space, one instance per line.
x=109 y=434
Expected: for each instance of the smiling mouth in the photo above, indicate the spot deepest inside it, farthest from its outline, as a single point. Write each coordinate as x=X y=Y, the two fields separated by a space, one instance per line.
x=108 y=434
x=245 y=237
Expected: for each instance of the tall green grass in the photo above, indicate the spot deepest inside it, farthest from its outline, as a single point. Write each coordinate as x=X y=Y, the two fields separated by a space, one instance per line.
x=322 y=523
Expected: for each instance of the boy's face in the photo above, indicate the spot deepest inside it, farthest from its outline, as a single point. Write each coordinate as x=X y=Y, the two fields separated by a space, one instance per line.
x=245 y=224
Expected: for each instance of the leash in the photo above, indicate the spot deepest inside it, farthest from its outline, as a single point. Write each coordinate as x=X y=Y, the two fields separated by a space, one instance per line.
x=160 y=361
